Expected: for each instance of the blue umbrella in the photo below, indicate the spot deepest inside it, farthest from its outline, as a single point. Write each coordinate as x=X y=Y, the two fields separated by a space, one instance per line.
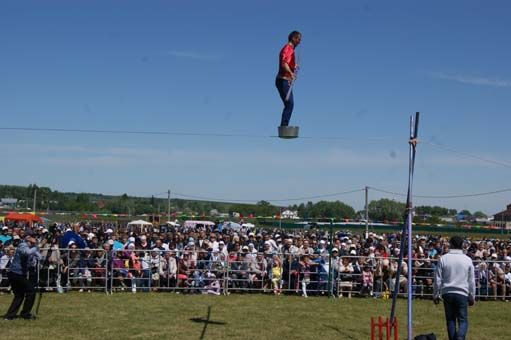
x=72 y=236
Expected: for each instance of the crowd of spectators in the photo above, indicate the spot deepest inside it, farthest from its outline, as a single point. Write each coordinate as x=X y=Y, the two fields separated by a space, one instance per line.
x=215 y=260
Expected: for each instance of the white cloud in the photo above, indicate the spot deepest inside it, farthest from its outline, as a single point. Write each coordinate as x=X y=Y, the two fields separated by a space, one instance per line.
x=473 y=80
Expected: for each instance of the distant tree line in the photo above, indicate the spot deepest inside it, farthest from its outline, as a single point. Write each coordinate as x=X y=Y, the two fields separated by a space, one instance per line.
x=54 y=201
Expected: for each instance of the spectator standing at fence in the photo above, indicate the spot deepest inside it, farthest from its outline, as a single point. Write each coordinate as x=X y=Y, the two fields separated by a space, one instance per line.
x=5 y=263
x=455 y=283
x=305 y=273
x=22 y=288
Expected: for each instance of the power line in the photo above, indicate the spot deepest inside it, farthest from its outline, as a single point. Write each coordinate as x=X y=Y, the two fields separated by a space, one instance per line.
x=216 y=199
x=444 y=196
x=466 y=154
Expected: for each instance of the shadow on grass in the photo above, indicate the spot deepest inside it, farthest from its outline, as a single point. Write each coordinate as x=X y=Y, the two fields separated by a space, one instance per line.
x=207 y=322
x=344 y=335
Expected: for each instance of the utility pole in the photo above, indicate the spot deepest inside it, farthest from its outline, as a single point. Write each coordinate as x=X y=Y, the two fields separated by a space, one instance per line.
x=367 y=213
x=35 y=199
x=168 y=204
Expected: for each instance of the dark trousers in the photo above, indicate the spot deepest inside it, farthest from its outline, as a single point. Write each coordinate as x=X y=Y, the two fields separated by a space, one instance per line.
x=23 y=289
x=283 y=86
x=456 y=312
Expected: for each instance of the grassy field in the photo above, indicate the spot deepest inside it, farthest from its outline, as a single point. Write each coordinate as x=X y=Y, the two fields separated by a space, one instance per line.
x=173 y=316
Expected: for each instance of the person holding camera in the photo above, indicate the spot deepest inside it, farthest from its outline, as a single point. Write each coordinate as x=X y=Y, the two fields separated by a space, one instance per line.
x=455 y=283
x=23 y=289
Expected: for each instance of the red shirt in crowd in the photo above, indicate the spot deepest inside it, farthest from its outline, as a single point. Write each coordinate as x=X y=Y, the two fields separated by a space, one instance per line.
x=287 y=55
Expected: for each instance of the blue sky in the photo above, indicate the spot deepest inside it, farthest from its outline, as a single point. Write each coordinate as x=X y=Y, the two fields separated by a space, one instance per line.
x=209 y=67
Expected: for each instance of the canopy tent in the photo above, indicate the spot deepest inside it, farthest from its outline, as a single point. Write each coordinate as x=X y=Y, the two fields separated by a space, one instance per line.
x=140 y=222
x=191 y=224
x=141 y=225
x=22 y=217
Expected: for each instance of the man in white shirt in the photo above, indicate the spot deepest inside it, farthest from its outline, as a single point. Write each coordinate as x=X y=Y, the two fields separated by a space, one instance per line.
x=455 y=282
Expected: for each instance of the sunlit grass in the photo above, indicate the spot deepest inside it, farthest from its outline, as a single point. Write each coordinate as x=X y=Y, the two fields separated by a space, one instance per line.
x=248 y=316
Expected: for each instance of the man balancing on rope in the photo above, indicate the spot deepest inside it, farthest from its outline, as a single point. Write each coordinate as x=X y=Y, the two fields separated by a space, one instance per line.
x=287 y=75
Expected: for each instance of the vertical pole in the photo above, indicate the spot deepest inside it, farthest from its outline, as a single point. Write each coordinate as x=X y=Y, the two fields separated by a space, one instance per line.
x=168 y=204
x=406 y=235
x=330 y=269
x=367 y=212
x=414 y=125
x=35 y=199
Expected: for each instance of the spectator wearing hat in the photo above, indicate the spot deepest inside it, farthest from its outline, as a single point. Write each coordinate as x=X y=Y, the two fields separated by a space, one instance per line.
x=336 y=261
x=86 y=265
x=22 y=288
x=5 y=238
x=143 y=244
x=223 y=249
x=346 y=277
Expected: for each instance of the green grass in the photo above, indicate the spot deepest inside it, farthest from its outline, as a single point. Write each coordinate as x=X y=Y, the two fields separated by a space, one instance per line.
x=249 y=316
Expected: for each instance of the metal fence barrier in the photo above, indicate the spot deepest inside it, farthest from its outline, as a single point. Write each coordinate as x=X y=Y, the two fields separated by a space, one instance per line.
x=202 y=272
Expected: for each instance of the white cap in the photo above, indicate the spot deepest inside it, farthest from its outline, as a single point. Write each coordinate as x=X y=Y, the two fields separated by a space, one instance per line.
x=45 y=230
x=131 y=239
x=109 y=231
x=5 y=228
x=353 y=252
x=335 y=249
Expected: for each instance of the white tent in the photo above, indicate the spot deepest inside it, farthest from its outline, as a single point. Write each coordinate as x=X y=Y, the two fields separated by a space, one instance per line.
x=140 y=222
x=143 y=225
x=248 y=225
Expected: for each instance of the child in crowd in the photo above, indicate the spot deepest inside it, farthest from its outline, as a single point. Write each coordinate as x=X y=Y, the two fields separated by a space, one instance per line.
x=276 y=275
x=367 y=280
x=213 y=287
x=305 y=273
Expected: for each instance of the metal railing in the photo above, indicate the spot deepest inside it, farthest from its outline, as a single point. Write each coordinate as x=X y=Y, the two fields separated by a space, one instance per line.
x=219 y=273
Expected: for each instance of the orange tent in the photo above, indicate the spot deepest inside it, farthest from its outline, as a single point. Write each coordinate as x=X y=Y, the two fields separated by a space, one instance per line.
x=26 y=217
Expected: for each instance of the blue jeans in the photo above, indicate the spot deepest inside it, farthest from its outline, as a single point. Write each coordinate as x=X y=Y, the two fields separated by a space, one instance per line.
x=283 y=86
x=456 y=306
